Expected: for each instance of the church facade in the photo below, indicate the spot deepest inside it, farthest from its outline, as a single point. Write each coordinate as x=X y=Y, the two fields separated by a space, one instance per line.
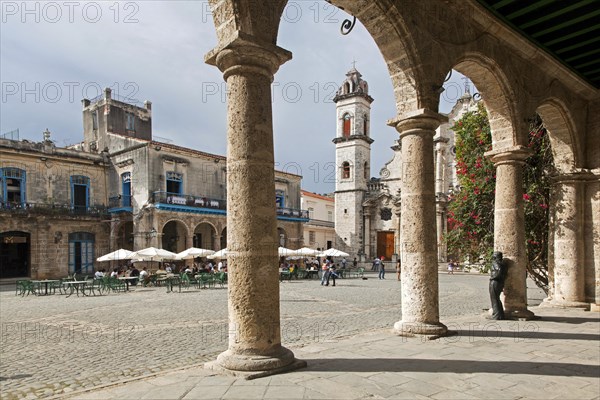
x=367 y=209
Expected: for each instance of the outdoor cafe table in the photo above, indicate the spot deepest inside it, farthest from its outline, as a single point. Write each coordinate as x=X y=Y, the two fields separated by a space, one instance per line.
x=45 y=282
x=310 y=273
x=76 y=286
x=127 y=279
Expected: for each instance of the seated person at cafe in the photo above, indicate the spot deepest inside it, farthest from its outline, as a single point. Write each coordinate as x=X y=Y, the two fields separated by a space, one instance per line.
x=99 y=274
x=187 y=270
x=134 y=272
x=144 y=277
x=114 y=273
x=168 y=268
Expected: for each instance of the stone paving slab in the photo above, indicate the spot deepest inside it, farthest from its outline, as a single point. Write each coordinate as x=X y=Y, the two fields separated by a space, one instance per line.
x=365 y=366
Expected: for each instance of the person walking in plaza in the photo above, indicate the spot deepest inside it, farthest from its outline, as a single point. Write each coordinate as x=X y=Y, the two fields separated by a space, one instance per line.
x=451 y=267
x=381 y=269
x=376 y=263
x=324 y=271
x=398 y=269
x=331 y=274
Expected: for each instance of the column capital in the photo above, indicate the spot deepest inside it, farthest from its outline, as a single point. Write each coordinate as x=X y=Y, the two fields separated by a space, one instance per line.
x=244 y=53
x=510 y=155
x=421 y=119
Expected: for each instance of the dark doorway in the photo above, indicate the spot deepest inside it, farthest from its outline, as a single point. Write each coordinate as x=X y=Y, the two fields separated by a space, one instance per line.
x=14 y=254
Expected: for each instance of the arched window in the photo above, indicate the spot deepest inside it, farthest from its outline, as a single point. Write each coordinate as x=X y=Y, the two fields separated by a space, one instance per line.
x=346 y=125
x=346 y=88
x=366 y=170
x=365 y=125
x=345 y=170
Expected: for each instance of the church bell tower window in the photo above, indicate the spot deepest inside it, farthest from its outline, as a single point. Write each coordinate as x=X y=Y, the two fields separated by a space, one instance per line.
x=346 y=170
x=346 y=125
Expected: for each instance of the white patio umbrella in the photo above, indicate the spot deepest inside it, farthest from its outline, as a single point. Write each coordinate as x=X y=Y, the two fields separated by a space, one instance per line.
x=219 y=254
x=333 y=253
x=152 y=254
x=120 y=254
x=306 y=252
x=283 y=252
x=194 y=252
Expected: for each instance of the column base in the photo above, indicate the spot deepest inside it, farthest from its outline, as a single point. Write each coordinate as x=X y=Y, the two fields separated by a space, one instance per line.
x=565 y=304
x=426 y=330
x=519 y=315
x=255 y=366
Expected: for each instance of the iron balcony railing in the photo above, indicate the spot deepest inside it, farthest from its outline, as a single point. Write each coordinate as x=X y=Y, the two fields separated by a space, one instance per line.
x=292 y=212
x=186 y=200
x=51 y=209
x=119 y=201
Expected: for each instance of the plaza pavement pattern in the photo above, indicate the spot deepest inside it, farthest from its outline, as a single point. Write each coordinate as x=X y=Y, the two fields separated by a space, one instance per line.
x=151 y=344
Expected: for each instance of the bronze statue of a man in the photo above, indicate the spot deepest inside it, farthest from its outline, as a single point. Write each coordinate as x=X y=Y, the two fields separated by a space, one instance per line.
x=497 y=277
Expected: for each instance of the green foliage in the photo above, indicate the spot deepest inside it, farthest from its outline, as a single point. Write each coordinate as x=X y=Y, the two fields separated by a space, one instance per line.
x=471 y=209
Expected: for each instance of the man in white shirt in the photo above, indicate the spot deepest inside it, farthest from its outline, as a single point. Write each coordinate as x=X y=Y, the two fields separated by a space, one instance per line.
x=220 y=266
x=143 y=276
x=99 y=274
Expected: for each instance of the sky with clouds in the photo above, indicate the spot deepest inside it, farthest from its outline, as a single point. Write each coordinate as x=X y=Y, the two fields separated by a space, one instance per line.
x=53 y=54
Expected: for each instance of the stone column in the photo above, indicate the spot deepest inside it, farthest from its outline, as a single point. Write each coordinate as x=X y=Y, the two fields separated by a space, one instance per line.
x=566 y=204
x=253 y=282
x=440 y=215
x=440 y=144
x=367 y=238
x=420 y=302
x=509 y=227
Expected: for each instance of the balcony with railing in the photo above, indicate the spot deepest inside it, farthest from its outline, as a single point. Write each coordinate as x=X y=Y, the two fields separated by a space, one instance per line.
x=188 y=203
x=207 y=205
x=17 y=208
x=119 y=203
x=292 y=214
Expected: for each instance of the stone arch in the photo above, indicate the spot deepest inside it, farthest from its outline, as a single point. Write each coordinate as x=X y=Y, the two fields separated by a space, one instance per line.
x=223 y=238
x=491 y=81
x=204 y=235
x=394 y=39
x=562 y=134
x=174 y=235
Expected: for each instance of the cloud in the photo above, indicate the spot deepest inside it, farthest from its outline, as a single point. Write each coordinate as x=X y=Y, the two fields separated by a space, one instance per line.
x=154 y=51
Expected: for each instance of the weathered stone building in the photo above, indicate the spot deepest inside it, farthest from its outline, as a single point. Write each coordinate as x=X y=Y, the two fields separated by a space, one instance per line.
x=62 y=208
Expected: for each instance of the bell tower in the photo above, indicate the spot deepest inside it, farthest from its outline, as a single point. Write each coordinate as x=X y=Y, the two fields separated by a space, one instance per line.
x=353 y=160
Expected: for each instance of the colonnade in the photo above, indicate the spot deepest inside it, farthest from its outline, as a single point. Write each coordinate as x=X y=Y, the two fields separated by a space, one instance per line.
x=249 y=59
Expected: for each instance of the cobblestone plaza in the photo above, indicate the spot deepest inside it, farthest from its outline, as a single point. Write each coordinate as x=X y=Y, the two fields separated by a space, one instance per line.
x=53 y=344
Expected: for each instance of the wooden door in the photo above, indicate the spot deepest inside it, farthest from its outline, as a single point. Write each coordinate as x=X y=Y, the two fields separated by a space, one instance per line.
x=385 y=244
